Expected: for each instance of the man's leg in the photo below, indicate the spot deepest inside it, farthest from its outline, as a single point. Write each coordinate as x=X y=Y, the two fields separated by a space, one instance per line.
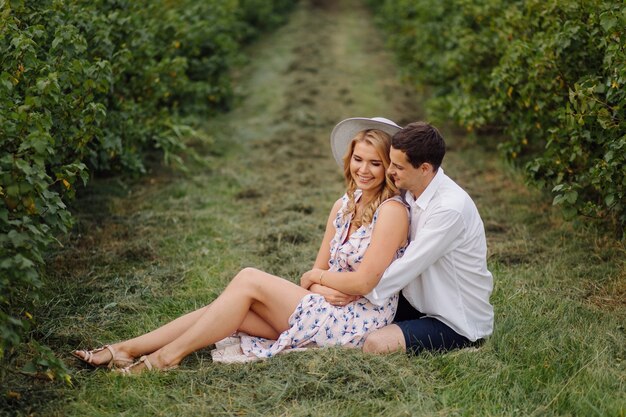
x=415 y=336
x=414 y=332
x=388 y=339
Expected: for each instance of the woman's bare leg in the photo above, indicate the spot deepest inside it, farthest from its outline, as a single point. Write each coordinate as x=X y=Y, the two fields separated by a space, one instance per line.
x=272 y=299
x=255 y=325
x=156 y=339
x=149 y=342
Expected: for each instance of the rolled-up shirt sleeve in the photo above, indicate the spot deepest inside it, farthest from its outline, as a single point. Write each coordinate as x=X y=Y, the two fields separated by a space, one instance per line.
x=438 y=236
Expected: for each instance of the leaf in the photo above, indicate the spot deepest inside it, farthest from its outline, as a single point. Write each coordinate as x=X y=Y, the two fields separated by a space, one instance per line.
x=569 y=212
x=558 y=199
x=56 y=42
x=29 y=368
x=42 y=84
x=24 y=166
x=608 y=22
x=84 y=176
x=571 y=196
x=13 y=190
x=5 y=79
x=558 y=188
x=608 y=156
x=604 y=118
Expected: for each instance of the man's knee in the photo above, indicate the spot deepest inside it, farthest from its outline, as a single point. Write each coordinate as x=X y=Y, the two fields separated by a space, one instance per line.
x=385 y=340
x=373 y=343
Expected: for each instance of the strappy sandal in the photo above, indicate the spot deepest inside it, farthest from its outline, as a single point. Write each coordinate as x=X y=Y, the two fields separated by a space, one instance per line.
x=114 y=362
x=146 y=362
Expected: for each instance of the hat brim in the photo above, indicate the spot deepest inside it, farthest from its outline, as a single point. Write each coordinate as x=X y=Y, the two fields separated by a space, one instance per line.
x=346 y=130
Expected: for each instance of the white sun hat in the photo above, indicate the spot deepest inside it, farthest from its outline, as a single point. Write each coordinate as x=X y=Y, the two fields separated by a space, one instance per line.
x=346 y=130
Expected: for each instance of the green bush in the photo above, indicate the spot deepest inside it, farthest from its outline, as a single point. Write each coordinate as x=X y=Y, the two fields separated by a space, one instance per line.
x=548 y=77
x=94 y=86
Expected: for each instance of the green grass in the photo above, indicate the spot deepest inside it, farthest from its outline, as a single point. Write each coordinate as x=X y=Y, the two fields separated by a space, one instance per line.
x=147 y=250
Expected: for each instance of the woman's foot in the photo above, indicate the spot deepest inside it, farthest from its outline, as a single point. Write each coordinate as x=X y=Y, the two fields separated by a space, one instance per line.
x=146 y=364
x=107 y=356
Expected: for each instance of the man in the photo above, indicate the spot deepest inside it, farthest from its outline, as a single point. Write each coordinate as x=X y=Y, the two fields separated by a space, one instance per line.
x=444 y=303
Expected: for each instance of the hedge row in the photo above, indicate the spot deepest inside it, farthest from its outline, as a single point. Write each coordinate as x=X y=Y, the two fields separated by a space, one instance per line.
x=93 y=85
x=549 y=78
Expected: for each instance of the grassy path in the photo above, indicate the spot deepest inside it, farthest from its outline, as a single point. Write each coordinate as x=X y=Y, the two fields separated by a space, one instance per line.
x=144 y=253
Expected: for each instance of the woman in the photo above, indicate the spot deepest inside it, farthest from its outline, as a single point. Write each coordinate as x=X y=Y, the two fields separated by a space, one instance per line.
x=327 y=308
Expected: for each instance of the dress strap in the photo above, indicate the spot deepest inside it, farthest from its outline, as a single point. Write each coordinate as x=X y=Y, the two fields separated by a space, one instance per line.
x=394 y=198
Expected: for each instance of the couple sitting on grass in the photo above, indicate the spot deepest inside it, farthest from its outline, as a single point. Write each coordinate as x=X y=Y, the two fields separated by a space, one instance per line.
x=395 y=271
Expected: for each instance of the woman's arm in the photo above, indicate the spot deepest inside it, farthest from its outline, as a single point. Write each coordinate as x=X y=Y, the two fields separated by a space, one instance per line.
x=323 y=255
x=389 y=234
x=333 y=296
x=321 y=262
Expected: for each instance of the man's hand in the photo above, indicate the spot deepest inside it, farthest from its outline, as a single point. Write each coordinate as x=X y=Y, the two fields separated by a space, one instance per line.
x=334 y=297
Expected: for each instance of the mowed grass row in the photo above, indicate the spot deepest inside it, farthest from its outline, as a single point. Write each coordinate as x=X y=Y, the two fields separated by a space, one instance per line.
x=147 y=251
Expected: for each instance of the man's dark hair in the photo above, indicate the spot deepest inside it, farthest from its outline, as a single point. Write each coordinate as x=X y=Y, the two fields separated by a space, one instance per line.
x=421 y=143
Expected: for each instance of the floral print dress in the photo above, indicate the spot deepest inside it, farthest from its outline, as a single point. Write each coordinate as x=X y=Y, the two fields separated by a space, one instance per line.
x=315 y=322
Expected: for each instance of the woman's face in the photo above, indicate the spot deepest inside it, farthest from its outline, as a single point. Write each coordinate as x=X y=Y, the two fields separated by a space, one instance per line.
x=366 y=167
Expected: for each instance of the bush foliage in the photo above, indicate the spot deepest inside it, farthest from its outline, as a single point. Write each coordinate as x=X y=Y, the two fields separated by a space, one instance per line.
x=94 y=85
x=548 y=77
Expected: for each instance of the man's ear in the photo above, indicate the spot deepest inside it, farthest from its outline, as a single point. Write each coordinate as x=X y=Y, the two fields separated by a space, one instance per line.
x=426 y=168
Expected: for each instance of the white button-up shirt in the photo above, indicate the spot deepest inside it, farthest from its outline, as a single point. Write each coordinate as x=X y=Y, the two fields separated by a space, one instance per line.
x=443 y=272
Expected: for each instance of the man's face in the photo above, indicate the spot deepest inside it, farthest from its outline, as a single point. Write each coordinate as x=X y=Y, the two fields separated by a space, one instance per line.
x=405 y=175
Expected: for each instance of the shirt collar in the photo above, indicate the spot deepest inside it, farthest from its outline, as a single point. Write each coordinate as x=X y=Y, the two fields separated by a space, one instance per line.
x=422 y=201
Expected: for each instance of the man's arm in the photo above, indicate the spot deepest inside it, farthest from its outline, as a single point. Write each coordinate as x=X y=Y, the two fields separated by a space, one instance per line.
x=437 y=237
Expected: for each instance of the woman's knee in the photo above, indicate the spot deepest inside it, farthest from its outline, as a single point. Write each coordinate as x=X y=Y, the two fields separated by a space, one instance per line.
x=246 y=274
x=250 y=279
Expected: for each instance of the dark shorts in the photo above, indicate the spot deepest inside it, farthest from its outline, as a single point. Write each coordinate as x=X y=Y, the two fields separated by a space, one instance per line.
x=426 y=333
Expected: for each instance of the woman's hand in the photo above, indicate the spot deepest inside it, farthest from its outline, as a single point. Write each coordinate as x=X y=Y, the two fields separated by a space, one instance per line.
x=310 y=277
x=334 y=297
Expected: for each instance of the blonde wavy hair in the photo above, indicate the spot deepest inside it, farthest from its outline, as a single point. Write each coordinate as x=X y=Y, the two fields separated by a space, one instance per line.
x=381 y=141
